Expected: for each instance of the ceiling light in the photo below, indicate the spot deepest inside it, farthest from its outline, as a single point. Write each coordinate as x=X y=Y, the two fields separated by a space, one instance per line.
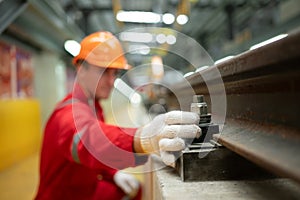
x=138 y=17
x=72 y=47
x=168 y=18
x=127 y=91
x=135 y=99
x=171 y=39
x=136 y=37
x=139 y=49
x=276 y=38
x=161 y=38
x=182 y=19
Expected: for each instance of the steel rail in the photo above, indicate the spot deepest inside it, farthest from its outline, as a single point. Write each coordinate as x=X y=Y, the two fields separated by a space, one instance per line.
x=263 y=111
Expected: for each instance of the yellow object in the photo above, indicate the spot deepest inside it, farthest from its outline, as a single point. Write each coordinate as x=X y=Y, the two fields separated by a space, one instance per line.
x=102 y=49
x=20 y=130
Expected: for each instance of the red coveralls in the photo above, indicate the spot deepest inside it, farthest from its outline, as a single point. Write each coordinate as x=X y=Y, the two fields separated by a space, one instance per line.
x=75 y=139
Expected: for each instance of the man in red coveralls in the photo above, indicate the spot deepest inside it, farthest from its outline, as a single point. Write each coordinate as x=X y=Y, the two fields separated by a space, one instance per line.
x=82 y=156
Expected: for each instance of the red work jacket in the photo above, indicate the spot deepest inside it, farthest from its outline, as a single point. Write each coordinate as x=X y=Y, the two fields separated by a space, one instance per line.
x=79 y=150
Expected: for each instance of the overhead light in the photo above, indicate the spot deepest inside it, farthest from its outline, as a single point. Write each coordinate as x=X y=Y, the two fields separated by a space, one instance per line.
x=168 y=18
x=136 y=37
x=161 y=38
x=72 y=47
x=276 y=38
x=134 y=97
x=171 y=39
x=182 y=19
x=138 y=17
x=139 y=49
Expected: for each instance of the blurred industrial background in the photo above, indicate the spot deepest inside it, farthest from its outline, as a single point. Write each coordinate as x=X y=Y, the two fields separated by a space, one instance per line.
x=222 y=27
x=33 y=35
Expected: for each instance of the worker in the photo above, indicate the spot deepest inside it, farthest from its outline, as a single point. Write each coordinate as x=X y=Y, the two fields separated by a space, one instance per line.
x=82 y=157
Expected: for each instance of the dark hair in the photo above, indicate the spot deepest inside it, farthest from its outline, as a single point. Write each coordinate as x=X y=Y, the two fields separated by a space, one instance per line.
x=83 y=63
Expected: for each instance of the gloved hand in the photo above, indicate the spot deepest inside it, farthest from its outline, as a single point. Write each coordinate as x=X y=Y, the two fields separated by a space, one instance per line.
x=165 y=132
x=128 y=183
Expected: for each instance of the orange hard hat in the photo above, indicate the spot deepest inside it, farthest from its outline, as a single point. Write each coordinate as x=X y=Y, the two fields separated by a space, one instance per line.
x=102 y=49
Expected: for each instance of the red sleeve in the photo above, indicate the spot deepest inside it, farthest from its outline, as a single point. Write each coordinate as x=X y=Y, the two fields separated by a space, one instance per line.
x=109 y=174
x=93 y=143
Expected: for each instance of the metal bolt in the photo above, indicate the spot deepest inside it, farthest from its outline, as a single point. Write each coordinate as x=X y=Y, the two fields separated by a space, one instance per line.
x=199 y=106
x=198 y=99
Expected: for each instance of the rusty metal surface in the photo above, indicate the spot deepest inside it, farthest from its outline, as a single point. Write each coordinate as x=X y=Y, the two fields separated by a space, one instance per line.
x=274 y=58
x=263 y=111
x=275 y=148
x=215 y=164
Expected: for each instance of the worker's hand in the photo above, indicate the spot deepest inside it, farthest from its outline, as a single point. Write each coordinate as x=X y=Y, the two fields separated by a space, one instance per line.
x=165 y=134
x=128 y=183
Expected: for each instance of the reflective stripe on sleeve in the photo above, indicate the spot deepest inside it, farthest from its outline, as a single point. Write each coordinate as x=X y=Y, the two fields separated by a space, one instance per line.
x=75 y=142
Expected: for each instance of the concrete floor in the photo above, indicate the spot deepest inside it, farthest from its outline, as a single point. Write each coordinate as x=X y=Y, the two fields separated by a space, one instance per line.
x=20 y=180
x=265 y=189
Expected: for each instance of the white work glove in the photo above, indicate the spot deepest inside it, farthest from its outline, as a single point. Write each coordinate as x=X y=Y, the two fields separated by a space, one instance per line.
x=165 y=133
x=128 y=183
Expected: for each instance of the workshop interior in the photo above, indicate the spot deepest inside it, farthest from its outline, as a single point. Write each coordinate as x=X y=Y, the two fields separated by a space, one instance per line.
x=233 y=62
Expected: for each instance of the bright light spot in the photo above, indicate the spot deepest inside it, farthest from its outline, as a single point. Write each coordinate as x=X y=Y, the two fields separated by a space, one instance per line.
x=201 y=68
x=157 y=67
x=168 y=18
x=138 y=17
x=188 y=74
x=171 y=39
x=123 y=87
x=136 y=37
x=182 y=19
x=276 y=38
x=139 y=49
x=223 y=59
x=72 y=47
x=135 y=99
x=127 y=91
x=161 y=38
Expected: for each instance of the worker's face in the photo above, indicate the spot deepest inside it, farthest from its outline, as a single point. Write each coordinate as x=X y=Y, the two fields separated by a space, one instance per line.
x=98 y=81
